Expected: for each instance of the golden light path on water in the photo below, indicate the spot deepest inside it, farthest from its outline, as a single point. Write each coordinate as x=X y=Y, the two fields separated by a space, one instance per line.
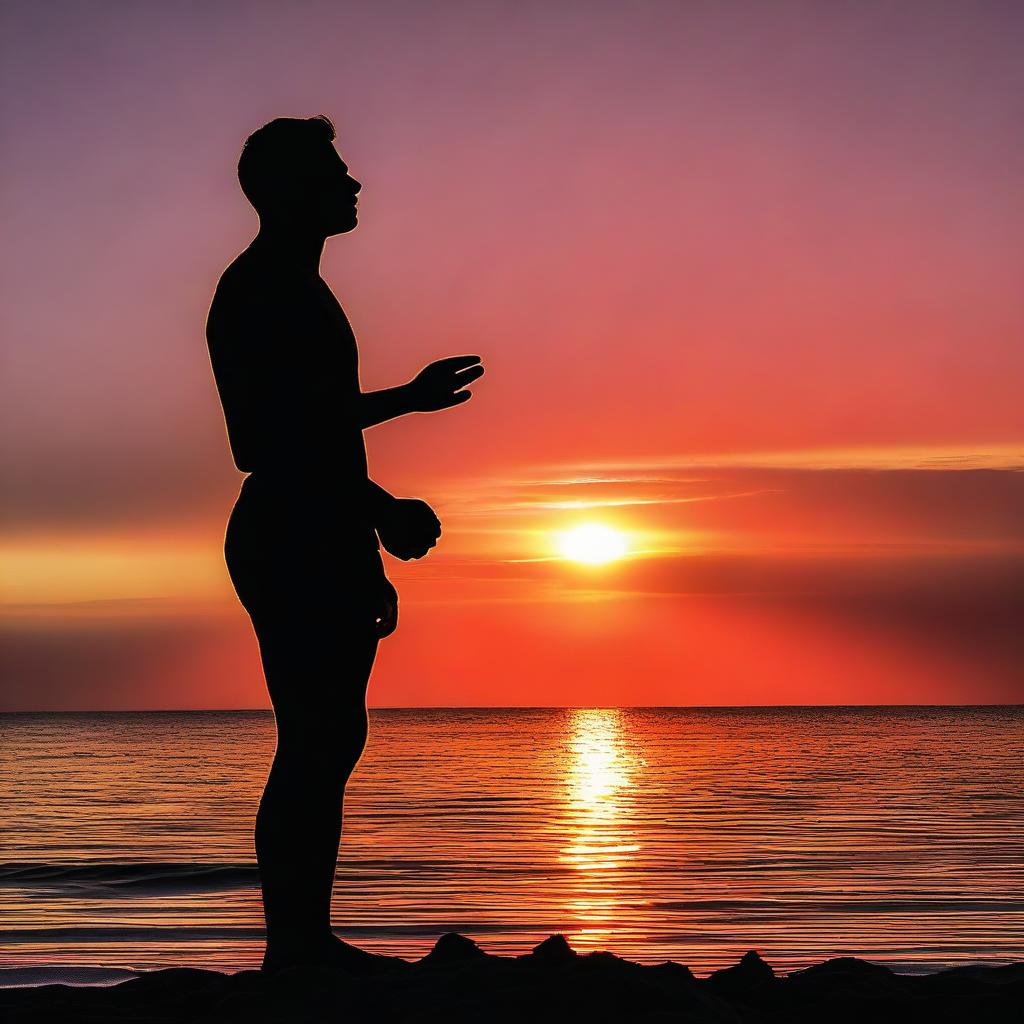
x=600 y=780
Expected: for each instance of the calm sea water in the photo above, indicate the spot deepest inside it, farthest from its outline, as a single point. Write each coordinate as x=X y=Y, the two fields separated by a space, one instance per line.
x=694 y=835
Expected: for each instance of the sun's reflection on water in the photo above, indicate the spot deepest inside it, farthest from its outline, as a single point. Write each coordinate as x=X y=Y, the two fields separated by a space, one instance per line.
x=600 y=779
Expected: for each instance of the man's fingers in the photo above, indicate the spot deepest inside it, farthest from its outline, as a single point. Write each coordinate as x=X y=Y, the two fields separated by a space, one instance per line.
x=429 y=522
x=454 y=363
x=464 y=377
x=421 y=549
x=457 y=399
x=408 y=554
x=417 y=551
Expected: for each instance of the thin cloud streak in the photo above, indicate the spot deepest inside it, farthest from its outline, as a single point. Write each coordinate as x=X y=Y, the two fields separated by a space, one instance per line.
x=999 y=455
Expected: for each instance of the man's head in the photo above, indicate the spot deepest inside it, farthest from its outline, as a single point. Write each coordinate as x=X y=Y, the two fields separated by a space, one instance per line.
x=289 y=170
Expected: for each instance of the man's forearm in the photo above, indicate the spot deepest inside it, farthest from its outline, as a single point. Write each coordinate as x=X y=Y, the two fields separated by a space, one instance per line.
x=378 y=406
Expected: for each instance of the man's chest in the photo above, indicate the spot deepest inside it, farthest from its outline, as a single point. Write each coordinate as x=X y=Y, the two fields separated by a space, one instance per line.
x=335 y=322
x=322 y=332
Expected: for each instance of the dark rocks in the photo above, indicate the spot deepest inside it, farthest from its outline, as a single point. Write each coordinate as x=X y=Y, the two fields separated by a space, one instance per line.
x=671 y=971
x=453 y=948
x=1004 y=975
x=170 y=982
x=554 y=949
x=749 y=974
x=852 y=986
x=844 y=967
x=459 y=983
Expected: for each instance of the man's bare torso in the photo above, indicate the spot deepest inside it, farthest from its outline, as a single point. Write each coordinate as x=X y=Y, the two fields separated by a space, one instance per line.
x=287 y=367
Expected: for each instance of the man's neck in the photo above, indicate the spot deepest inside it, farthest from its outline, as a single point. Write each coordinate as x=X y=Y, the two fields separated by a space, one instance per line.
x=288 y=245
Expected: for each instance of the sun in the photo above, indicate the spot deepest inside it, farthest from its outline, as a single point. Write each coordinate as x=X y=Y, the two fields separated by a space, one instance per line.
x=592 y=543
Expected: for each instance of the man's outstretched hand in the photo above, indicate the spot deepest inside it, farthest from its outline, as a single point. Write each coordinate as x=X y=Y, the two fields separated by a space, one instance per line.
x=407 y=527
x=440 y=385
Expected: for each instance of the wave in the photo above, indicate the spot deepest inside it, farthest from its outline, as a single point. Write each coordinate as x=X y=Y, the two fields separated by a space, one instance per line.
x=129 y=933
x=794 y=908
x=192 y=933
x=136 y=879
x=104 y=879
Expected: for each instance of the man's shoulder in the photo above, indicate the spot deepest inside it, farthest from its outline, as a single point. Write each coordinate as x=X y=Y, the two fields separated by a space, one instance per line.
x=249 y=288
x=244 y=275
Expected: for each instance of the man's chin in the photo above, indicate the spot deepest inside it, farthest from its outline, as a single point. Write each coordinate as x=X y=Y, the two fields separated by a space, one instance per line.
x=345 y=224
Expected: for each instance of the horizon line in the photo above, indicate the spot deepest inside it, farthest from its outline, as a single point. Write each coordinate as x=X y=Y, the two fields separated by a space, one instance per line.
x=510 y=707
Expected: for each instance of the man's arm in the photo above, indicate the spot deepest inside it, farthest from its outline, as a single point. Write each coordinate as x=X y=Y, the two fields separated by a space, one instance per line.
x=438 y=386
x=379 y=406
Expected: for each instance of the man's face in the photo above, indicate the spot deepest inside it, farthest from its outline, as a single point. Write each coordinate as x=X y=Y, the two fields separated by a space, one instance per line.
x=332 y=204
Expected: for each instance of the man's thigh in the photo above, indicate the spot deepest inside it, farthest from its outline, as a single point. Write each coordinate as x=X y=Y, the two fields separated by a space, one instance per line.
x=316 y=659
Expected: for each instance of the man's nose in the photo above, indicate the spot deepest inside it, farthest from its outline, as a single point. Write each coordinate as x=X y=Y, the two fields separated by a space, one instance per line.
x=357 y=186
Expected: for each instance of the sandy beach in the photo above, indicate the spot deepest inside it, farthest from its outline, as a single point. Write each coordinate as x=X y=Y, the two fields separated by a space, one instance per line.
x=457 y=981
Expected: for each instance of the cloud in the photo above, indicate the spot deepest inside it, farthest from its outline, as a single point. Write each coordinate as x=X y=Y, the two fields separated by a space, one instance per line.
x=775 y=505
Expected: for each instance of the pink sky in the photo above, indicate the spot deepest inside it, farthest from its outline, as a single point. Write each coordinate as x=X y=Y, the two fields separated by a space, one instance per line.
x=746 y=279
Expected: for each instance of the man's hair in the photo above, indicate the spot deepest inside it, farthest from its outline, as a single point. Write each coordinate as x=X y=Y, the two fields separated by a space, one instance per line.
x=274 y=153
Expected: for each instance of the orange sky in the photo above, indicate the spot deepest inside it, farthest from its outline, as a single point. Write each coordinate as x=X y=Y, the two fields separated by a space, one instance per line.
x=746 y=281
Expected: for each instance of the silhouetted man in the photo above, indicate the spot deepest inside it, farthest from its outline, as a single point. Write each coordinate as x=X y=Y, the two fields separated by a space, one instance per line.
x=302 y=541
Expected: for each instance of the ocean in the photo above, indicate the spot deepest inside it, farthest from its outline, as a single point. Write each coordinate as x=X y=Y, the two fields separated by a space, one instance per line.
x=892 y=834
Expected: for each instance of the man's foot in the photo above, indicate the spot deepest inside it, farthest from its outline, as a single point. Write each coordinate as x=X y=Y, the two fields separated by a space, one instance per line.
x=333 y=953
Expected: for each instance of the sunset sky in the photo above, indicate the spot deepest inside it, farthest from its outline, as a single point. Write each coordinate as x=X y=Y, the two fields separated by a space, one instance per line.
x=746 y=278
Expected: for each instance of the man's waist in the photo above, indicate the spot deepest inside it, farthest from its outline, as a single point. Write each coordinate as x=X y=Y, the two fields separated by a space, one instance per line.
x=311 y=474
x=305 y=487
